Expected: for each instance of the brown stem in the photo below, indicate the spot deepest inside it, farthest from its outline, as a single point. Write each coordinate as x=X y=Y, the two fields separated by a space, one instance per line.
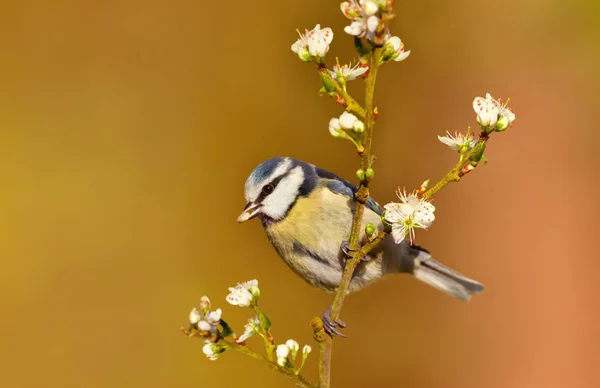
x=326 y=345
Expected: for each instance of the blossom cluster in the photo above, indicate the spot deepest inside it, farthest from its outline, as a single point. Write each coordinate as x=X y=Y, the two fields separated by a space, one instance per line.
x=209 y=326
x=206 y=322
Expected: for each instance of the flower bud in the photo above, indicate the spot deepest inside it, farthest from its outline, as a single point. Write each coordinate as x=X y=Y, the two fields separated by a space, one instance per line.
x=370 y=229
x=282 y=352
x=195 y=316
x=370 y=173
x=293 y=346
x=370 y=8
x=328 y=83
x=304 y=55
x=360 y=174
x=306 y=351
x=502 y=124
x=348 y=120
x=255 y=291
x=359 y=127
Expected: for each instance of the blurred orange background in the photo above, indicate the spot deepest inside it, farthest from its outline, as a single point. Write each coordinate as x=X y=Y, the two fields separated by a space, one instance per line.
x=128 y=129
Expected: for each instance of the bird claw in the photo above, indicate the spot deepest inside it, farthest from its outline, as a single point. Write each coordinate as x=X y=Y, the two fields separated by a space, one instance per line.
x=330 y=325
x=348 y=252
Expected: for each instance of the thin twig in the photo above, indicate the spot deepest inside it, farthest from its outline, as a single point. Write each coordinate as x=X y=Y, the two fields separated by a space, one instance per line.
x=348 y=101
x=470 y=158
x=300 y=380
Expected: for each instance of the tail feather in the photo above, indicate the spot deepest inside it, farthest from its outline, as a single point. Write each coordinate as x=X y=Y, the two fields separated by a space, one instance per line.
x=418 y=261
x=445 y=279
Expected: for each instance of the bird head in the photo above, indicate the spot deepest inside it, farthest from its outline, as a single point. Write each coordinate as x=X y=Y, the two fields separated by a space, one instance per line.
x=274 y=186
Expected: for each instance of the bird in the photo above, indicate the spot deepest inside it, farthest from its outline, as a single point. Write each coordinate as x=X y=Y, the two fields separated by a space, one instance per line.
x=307 y=214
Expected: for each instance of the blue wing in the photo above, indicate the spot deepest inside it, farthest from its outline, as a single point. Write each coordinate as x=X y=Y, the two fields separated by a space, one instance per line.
x=339 y=185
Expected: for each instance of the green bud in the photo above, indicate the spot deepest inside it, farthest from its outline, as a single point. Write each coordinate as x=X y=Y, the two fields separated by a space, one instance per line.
x=328 y=83
x=370 y=173
x=388 y=52
x=304 y=55
x=360 y=174
x=477 y=154
x=370 y=229
x=502 y=124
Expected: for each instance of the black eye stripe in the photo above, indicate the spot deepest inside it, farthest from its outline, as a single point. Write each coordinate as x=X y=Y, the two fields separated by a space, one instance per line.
x=273 y=184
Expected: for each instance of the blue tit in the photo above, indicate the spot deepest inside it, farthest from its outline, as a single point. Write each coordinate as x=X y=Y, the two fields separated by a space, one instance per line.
x=307 y=214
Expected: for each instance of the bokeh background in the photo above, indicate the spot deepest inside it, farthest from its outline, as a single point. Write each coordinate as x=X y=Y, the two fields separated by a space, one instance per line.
x=128 y=129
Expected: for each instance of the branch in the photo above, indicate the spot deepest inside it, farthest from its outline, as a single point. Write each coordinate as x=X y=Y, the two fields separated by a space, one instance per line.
x=348 y=101
x=467 y=162
x=326 y=344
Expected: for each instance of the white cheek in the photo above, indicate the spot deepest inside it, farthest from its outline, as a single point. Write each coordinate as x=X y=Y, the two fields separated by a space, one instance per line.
x=252 y=191
x=278 y=203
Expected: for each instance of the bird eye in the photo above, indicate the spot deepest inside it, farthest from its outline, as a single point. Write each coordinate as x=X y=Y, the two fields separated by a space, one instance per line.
x=268 y=189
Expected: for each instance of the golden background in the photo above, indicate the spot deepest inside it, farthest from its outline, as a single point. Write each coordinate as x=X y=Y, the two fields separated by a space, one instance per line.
x=128 y=129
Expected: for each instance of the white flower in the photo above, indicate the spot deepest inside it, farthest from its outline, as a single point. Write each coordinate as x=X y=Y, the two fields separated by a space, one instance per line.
x=335 y=129
x=411 y=213
x=282 y=354
x=487 y=110
x=205 y=320
x=195 y=316
x=318 y=41
x=244 y=294
x=505 y=111
x=300 y=43
x=347 y=73
x=458 y=142
x=394 y=49
x=314 y=43
x=351 y=9
x=212 y=351
x=293 y=346
x=250 y=329
x=356 y=28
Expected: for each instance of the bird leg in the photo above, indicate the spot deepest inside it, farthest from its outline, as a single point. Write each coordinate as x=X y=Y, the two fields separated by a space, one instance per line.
x=330 y=325
x=345 y=247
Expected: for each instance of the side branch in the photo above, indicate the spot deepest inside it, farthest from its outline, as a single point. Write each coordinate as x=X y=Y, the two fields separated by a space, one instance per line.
x=467 y=163
x=349 y=102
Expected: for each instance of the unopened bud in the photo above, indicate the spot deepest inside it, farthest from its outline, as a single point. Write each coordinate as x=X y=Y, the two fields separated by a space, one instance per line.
x=359 y=127
x=360 y=174
x=502 y=124
x=424 y=186
x=370 y=173
x=304 y=55
x=370 y=229
x=328 y=83
x=255 y=291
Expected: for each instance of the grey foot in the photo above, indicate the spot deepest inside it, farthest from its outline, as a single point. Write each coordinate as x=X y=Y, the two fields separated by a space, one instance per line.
x=345 y=247
x=331 y=325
